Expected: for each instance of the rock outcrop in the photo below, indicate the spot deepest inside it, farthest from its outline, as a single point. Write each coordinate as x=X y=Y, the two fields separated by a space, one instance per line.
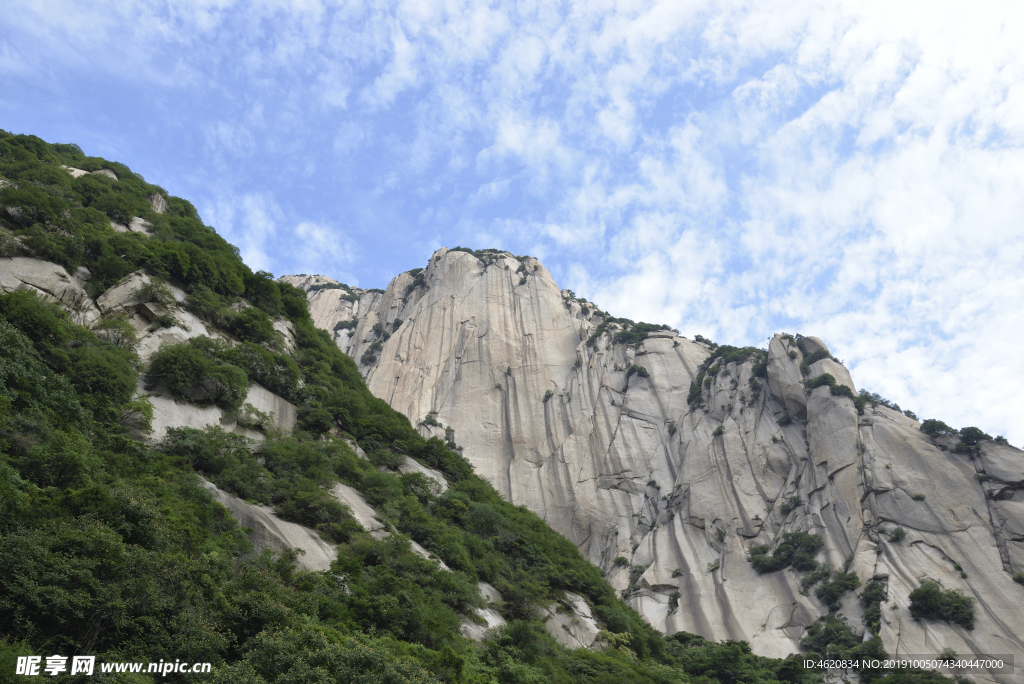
x=267 y=531
x=602 y=441
x=51 y=282
x=133 y=297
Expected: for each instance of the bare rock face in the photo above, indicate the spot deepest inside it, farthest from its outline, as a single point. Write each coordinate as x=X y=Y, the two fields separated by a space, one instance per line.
x=485 y=351
x=51 y=282
x=75 y=173
x=487 y=618
x=267 y=531
x=136 y=225
x=157 y=202
x=571 y=622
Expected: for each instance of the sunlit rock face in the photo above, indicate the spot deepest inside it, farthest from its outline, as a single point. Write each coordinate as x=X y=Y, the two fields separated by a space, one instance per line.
x=487 y=352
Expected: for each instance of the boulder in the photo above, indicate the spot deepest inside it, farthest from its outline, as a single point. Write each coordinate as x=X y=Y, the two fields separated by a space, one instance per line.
x=284 y=412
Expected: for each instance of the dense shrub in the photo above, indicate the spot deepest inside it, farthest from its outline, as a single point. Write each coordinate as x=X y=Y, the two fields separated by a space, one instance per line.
x=831 y=591
x=252 y=325
x=935 y=428
x=796 y=549
x=871 y=599
x=637 y=370
x=929 y=601
x=189 y=372
x=972 y=435
x=790 y=504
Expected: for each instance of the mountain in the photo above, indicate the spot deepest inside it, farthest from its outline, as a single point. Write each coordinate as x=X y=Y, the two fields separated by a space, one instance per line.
x=191 y=471
x=735 y=493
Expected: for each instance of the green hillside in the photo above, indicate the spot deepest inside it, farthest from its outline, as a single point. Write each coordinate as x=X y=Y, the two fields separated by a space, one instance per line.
x=111 y=547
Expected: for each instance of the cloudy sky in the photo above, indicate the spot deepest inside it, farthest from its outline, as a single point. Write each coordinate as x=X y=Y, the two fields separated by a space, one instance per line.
x=848 y=170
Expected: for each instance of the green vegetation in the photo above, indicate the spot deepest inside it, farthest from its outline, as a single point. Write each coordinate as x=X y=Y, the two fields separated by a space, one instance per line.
x=831 y=591
x=349 y=324
x=972 y=435
x=860 y=401
x=349 y=295
x=790 y=504
x=935 y=428
x=715 y=363
x=871 y=599
x=897 y=535
x=969 y=436
x=637 y=370
x=630 y=333
x=797 y=549
x=418 y=280
x=876 y=399
x=189 y=373
x=929 y=601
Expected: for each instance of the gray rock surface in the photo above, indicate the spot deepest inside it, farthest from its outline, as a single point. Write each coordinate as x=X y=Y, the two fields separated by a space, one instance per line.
x=75 y=173
x=491 y=618
x=157 y=202
x=496 y=354
x=136 y=225
x=270 y=532
x=361 y=511
x=50 y=282
x=571 y=622
x=283 y=411
x=411 y=465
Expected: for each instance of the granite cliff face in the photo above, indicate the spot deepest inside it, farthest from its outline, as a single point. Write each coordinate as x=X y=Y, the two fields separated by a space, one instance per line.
x=669 y=495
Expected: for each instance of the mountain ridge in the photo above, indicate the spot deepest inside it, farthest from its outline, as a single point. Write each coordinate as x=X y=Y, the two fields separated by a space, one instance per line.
x=589 y=427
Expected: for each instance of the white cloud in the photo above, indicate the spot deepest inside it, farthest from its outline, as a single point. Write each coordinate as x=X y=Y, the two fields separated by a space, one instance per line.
x=847 y=169
x=268 y=240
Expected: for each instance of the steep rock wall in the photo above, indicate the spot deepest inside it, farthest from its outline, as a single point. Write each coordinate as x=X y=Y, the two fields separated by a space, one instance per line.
x=487 y=352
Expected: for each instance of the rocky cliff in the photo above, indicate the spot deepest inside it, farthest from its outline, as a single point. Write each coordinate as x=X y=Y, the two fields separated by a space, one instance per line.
x=595 y=424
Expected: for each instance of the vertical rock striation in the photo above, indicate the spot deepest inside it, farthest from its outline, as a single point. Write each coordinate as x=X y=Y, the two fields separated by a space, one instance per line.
x=594 y=430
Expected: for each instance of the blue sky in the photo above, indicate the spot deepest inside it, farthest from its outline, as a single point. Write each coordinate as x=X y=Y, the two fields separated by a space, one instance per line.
x=850 y=170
